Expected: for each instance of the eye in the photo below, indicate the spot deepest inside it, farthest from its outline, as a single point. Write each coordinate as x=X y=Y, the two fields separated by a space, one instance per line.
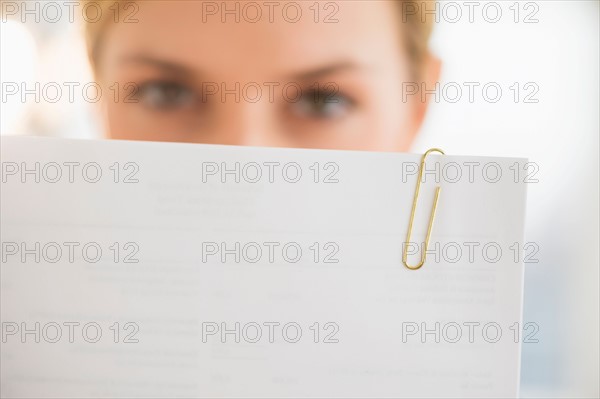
x=164 y=95
x=322 y=104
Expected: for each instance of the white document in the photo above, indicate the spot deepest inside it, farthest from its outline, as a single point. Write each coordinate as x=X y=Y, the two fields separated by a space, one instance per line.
x=135 y=269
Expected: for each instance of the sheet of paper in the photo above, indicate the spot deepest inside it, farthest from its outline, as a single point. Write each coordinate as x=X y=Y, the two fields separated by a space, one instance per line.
x=137 y=269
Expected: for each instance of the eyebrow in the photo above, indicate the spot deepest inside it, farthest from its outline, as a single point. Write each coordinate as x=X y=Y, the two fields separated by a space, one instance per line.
x=166 y=66
x=328 y=70
x=179 y=69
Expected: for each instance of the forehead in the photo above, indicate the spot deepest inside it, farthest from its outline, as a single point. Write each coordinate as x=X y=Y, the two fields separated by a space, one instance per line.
x=263 y=35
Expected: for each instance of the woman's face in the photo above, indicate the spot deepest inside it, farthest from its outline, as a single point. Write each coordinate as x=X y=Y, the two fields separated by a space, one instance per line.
x=188 y=71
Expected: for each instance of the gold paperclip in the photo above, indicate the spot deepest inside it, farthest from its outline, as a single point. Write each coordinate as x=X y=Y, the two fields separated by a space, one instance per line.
x=412 y=215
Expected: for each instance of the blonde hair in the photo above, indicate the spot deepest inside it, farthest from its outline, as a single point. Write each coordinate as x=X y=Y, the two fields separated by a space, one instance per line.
x=416 y=31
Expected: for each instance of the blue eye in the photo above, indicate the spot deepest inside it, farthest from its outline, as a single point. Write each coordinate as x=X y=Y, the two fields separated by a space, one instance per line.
x=164 y=95
x=322 y=104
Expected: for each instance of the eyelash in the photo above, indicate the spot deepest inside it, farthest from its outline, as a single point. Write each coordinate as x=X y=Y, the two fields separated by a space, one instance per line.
x=141 y=91
x=322 y=95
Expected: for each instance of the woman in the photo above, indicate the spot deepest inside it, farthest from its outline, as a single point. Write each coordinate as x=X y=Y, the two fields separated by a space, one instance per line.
x=305 y=74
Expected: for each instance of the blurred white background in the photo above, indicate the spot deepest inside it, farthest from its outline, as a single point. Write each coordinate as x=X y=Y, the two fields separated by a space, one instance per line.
x=558 y=55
